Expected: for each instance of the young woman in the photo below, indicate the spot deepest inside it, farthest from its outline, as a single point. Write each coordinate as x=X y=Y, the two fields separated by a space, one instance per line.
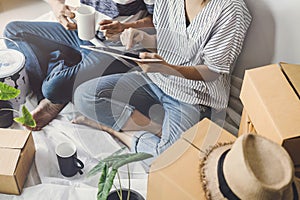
x=56 y=64
x=198 y=41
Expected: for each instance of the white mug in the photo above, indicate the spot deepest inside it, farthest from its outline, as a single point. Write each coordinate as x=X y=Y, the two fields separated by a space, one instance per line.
x=85 y=17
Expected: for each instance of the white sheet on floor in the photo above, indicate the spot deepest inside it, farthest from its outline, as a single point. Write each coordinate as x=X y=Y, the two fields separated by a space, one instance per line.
x=45 y=179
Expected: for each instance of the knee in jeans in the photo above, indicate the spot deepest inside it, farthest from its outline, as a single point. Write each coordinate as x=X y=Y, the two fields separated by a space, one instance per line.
x=57 y=91
x=83 y=96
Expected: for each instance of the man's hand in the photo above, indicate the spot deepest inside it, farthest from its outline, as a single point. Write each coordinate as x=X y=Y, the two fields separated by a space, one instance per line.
x=62 y=12
x=111 y=29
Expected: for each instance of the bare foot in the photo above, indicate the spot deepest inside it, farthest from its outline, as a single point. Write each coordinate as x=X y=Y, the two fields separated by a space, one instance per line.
x=91 y=123
x=122 y=136
x=44 y=113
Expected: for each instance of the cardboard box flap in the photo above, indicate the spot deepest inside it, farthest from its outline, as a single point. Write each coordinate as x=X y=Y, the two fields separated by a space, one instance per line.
x=266 y=91
x=165 y=159
x=199 y=135
x=172 y=181
x=175 y=174
x=8 y=161
x=15 y=139
x=292 y=72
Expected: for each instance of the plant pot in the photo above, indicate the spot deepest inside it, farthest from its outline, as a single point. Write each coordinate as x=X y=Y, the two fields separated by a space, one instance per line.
x=6 y=116
x=133 y=195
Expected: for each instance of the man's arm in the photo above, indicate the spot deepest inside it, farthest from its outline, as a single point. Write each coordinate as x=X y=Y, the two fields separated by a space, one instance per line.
x=141 y=23
x=62 y=12
x=111 y=27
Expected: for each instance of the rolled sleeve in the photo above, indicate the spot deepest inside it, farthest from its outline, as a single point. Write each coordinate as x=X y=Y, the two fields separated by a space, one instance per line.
x=226 y=40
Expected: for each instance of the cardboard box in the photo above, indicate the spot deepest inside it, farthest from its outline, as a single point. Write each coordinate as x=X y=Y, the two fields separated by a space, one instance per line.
x=270 y=96
x=16 y=156
x=175 y=173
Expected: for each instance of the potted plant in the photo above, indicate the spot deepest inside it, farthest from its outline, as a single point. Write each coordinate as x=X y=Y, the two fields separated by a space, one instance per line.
x=8 y=92
x=109 y=169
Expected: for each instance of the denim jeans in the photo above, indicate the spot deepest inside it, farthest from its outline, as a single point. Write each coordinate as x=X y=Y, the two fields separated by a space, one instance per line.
x=110 y=100
x=55 y=63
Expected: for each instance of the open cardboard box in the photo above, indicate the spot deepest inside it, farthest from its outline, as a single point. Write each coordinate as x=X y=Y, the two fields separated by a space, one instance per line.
x=175 y=173
x=16 y=156
x=270 y=96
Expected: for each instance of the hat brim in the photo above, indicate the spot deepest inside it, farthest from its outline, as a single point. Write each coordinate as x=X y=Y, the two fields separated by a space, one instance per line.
x=209 y=171
x=297 y=184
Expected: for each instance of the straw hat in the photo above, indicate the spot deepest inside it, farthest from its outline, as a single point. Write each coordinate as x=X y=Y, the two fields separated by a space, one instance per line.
x=253 y=167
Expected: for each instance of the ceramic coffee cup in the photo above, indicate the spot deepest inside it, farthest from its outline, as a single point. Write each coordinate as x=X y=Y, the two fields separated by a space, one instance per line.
x=68 y=162
x=85 y=18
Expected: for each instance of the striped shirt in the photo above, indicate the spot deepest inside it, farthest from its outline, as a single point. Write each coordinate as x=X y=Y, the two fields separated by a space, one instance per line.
x=115 y=8
x=213 y=38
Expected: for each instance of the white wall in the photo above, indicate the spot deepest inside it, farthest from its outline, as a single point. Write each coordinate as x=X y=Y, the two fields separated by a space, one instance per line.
x=21 y=10
x=274 y=34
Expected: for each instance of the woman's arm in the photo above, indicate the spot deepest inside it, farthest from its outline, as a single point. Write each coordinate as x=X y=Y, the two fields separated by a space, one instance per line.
x=116 y=25
x=112 y=27
x=198 y=72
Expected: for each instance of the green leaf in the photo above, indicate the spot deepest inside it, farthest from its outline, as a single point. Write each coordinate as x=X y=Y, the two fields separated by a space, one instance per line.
x=108 y=161
x=114 y=161
x=26 y=118
x=95 y=170
x=109 y=179
x=8 y=92
x=102 y=181
x=115 y=158
x=118 y=151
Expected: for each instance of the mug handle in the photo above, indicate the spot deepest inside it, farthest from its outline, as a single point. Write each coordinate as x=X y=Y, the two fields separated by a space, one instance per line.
x=79 y=165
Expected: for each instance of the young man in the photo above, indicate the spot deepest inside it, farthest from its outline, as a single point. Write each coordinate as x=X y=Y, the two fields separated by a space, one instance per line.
x=56 y=64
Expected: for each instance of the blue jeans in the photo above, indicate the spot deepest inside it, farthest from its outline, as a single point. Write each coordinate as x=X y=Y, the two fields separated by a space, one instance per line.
x=110 y=100
x=55 y=63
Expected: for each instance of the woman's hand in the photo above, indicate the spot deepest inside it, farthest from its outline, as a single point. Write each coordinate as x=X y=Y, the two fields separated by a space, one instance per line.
x=157 y=67
x=131 y=36
x=62 y=12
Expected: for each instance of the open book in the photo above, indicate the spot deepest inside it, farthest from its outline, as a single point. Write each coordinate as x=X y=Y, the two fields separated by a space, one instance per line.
x=123 y=54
